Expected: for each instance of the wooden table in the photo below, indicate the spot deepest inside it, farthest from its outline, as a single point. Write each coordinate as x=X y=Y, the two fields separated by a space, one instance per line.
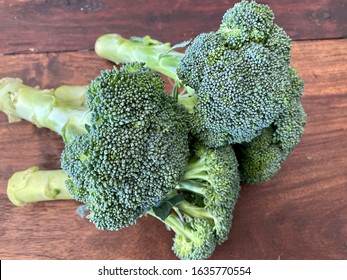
x=300 y=214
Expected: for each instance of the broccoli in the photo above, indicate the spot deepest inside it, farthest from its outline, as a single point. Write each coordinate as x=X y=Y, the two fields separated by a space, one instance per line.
x=127 y=141
x=136 y=149
x=238 y=78
x=132 y=149
x=62 y=110
x=136 y=140
x=210 y=188
x=199 y=209
x=261 y=158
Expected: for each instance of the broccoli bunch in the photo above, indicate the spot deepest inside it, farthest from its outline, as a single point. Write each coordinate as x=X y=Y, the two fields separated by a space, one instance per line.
x=132 y=149
x=136 y=149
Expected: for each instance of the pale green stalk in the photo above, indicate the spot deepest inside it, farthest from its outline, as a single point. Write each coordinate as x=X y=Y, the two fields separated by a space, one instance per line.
x=62 y=110
x=154 y=54
x=34 y=185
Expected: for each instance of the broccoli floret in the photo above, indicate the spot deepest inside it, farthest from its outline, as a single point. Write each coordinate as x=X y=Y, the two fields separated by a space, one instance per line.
x=209 y=190
x=62 y=110
x=248 y=21
x=239 y=98
x=194 y=237
x=261 y=158
x=136 y=149
x=240 y=75
x=238 y=78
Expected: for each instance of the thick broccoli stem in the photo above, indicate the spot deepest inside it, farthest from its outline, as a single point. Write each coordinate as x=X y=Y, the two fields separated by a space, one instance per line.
x=34 y=185
x=120 y=50
x=62 y=110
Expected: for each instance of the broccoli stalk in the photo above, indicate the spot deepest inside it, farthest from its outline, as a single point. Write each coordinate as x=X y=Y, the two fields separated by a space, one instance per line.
x=156 y=55
x=34 y=185
x=62 y=110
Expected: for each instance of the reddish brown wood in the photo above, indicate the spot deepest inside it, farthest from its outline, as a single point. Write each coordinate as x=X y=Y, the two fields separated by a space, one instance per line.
x=53 y=69
x=300 y=214
x=63 y=25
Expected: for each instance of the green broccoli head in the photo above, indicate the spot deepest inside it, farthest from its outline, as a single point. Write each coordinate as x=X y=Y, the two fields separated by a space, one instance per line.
x=136 y=149
x=240 y=75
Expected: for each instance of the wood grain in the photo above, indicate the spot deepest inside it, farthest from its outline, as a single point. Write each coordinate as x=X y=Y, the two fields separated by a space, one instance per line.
x=300 y=214
x=65 y=25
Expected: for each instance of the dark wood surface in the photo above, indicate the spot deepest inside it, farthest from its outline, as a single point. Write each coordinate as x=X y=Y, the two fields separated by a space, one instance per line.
x=300 y=214
x=66 y=25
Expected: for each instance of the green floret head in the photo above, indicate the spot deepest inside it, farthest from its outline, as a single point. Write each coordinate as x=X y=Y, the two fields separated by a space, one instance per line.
x=235 y=102
x=136 y=148
x=289 y=127
x=296 y=90
x=240 y=74
x=200 y=209
x=75 y=158
x=197 y=242
x=261 y=158
x=211 y=185
x=247 y=21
